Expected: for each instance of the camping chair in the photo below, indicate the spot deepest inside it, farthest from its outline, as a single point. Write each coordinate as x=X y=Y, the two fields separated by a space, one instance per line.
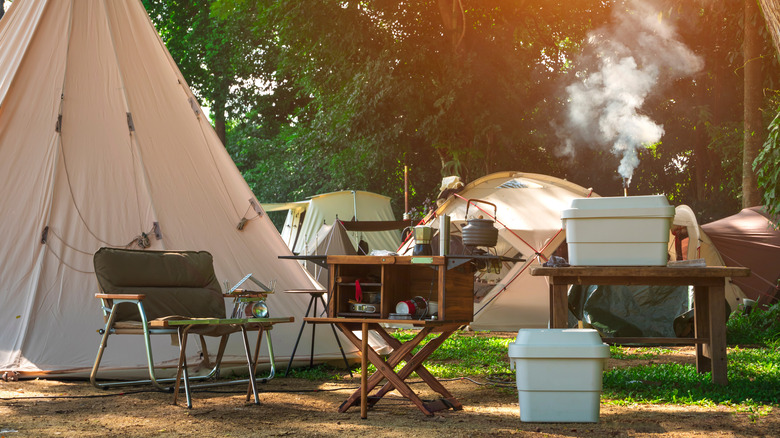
x=174 y=293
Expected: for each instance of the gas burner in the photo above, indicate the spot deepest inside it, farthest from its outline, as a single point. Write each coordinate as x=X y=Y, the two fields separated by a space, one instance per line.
x=481 y=250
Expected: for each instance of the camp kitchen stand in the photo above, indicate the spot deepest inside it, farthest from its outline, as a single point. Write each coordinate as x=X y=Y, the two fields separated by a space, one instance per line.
x=448 y=280
x=709 y=300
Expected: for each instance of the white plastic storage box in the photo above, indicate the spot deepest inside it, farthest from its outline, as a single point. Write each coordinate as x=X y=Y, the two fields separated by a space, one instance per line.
x=618 y=231
x=559 y=374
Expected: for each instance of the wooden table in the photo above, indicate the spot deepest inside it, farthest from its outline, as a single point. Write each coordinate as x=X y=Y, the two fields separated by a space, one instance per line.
x=709 y=302
x=386 y=367
x=447 y=280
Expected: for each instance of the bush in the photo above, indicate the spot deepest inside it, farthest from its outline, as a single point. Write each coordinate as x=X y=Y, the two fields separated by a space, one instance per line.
x=760 y=326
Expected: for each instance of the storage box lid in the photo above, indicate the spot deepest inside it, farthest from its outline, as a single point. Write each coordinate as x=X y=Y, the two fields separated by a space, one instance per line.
x=558 y=343
x=620 y=206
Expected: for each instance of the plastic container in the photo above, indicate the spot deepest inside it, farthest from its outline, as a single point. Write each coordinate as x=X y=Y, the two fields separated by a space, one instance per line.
x=618 y=231
x=559 y=374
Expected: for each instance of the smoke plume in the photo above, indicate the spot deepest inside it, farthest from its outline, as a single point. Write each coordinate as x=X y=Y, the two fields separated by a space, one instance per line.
x=627 y=61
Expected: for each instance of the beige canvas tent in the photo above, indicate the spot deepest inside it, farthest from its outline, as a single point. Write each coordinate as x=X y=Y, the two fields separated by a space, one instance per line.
x=102 y=143
x=528 y=207
x=305 y=218
x=329 y=240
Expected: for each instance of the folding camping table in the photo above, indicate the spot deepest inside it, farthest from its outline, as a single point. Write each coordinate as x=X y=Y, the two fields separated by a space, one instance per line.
x=709 y=303
x=402 y=351
x=447 y=280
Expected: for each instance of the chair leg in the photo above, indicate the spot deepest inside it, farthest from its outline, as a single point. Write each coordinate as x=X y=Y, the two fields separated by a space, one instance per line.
x=205 y=351
x=271 y=359
x=149 y=357
x=101 y=349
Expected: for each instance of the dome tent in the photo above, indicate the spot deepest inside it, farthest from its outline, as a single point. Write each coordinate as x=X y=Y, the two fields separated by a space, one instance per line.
x=528 y=212
x=305 y=218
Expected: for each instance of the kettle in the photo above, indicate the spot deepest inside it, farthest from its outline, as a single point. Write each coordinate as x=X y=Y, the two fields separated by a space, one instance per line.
x=479 y=232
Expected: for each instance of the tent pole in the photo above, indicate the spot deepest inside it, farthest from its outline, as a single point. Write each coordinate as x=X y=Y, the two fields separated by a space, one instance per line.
x=406 y=189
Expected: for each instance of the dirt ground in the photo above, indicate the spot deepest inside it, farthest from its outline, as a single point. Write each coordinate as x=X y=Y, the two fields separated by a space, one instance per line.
x=304 y=408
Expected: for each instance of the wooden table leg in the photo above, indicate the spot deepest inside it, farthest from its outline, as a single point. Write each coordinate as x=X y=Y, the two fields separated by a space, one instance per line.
x=364 y=372
x=395 y=357
x=559 y=305
x=384 y=370
x=701 y=319
x=414 y=364
x=717 y=321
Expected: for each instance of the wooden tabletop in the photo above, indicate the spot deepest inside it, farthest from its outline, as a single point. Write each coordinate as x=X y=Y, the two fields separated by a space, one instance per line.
x=414 y=322
x=306 y=291
x=219 y=321
x=641 y=271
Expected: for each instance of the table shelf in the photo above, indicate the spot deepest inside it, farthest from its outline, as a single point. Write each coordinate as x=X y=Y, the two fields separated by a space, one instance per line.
x=376 y=315
x=402 y=278
x=352 y=284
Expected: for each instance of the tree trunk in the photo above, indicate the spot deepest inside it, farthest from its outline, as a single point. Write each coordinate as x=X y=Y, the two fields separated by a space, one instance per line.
x=771 y=9
x=754 y=134
x=701 y=162
x=218 y=112
x=219 y=126
x=453 y=20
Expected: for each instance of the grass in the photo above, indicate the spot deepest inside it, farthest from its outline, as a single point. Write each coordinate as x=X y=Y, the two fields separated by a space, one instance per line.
x=465 y=355
x=753 y=367
x=753 y=373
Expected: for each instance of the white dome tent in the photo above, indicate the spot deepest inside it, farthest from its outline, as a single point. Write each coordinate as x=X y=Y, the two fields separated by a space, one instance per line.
x=305 y=218
x=528 y=215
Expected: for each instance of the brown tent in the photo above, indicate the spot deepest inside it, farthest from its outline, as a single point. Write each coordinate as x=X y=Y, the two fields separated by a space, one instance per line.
x=750 y=239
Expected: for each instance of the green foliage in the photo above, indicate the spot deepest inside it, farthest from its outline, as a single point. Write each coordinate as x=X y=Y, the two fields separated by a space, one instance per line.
x=319 y=96
x=318 y=372
x=760 y=326
x=385 y=80
x=219 y=51
x=767 y=168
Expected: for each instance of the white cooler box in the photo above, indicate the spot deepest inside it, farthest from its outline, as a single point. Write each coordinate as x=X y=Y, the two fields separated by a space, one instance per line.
x=559 y=374
x=618 y=231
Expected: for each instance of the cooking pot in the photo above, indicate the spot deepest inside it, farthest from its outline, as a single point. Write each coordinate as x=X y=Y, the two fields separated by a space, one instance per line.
x=479 y=232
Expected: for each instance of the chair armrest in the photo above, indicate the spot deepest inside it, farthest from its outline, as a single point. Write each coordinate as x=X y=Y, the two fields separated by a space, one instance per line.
x=121 y=296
